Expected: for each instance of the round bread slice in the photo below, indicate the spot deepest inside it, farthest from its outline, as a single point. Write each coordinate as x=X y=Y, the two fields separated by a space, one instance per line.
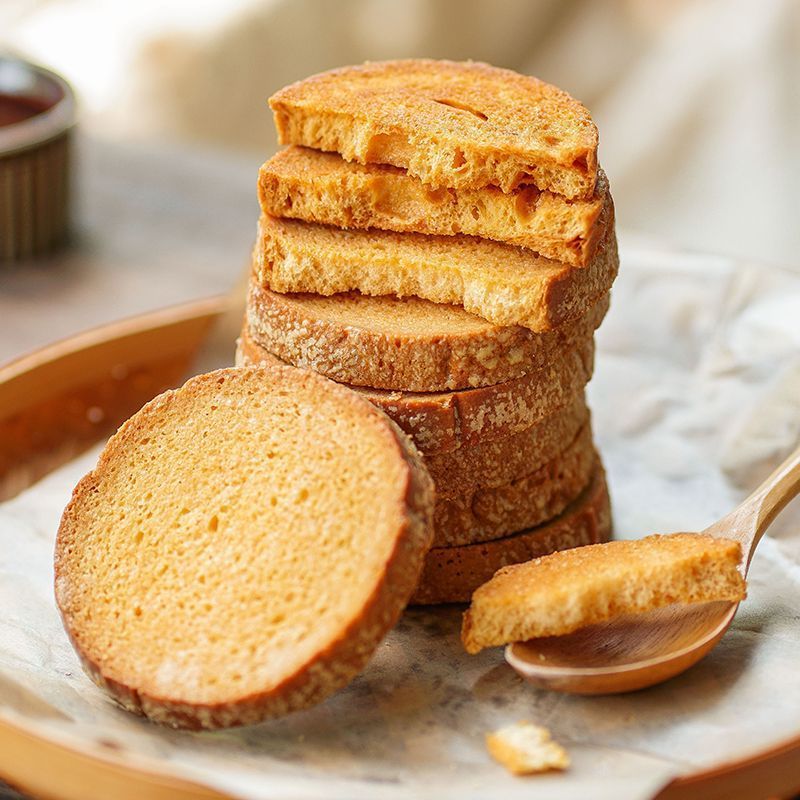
x=484 y=514
x=452 y=574
x=242 y=547
x=406 y=344
x=496 y=462
x=440 y=422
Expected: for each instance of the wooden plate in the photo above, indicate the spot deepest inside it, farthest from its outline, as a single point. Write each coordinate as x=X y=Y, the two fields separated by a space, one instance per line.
x=57 y=402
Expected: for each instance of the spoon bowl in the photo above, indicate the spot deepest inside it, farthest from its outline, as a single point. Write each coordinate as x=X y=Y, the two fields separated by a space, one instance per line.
x=625 y=654
x=635 y=651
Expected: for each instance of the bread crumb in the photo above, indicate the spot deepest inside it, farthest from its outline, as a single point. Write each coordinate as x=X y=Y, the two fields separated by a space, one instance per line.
x=525 y=749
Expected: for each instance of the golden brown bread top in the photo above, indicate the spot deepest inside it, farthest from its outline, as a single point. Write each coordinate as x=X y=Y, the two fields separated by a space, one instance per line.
x=306 y=184
x=241 y=547
x=562 y=592
x=456 y=124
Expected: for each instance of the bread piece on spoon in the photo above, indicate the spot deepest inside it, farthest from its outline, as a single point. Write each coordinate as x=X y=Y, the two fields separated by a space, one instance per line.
x=563 y=592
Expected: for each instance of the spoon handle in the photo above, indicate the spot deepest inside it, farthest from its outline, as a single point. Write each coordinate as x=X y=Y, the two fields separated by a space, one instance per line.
x=749 y=521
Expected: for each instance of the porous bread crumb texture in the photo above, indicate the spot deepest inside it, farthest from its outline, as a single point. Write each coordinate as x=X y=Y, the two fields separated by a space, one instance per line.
x=495 y=462
x=305 y=184
x=440 y=422
x=452 y=574
x=525 y=749
x=464 y=125
x=563 y=592
x=404 y=344
x=241 y=548
x=505 y=285
x=486 y=513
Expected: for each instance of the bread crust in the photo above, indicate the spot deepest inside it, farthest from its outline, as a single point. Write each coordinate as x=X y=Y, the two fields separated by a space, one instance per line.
x=440 y=422
x=487 y=513
x=313 y=186
x=452 y=124
x=497 y=462
x=403 y=344
x=505 y=285
x=452 y=574
x=348 y=649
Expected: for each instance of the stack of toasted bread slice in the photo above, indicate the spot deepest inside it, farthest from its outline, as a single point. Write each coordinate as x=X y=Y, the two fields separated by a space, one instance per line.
x=439 y=237
x=435 y=252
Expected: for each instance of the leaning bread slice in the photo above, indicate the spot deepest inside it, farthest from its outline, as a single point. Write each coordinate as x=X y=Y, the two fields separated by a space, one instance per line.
x=505 y=285
x=241 y=548
x=440 y=422
x=452 y=574
x=404 y=344
x=560 y=593
x=321 y=187
x=462 y=125
x=464 y=516
x=490 y=463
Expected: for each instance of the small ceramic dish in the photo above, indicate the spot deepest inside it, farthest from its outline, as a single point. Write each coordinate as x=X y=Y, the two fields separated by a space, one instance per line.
x=37 y=113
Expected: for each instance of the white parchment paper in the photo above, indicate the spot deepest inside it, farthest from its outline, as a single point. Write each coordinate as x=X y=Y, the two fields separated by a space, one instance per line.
x=696 y=397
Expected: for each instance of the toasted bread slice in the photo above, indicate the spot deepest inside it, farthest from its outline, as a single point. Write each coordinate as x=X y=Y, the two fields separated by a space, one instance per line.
x=241 y=548
x=405 y=344
x=321 y=187
x=452 y=574
x=463 y=125
x=503 y=284
x=483 y=514
x=497 y=462
x=561 y=593
x=443 y=421
x=525 y=749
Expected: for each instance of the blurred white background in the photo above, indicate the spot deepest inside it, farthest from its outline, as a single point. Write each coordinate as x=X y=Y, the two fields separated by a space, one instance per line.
x=697 y=101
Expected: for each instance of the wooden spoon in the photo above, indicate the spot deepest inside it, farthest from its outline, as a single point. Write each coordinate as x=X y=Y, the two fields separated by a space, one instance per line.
x=640 y=650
